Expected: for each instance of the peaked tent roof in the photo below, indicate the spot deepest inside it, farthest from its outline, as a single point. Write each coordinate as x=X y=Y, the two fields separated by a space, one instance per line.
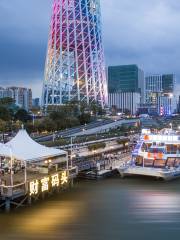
x=4 y=150
x=23 y=147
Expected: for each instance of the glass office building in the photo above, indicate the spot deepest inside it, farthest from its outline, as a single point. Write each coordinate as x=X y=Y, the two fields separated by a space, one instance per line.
x=126 y=78
x=126 y=87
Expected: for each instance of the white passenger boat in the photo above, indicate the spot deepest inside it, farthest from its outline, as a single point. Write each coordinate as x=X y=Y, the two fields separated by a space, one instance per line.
x=156 y=155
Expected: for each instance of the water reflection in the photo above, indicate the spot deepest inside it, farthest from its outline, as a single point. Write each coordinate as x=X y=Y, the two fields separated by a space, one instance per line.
x=107 y=210
x=53 y=215
x=155 y=206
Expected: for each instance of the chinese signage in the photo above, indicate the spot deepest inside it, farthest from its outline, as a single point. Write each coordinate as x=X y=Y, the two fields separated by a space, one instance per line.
x=44 y=184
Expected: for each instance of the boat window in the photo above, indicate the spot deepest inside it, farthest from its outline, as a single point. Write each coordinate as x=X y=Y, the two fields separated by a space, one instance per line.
x=171 y=149
x=157 y=150
x=171 y=162
x=148 y=162
x=177 y=162
x=139 y=161
x=144 y=147
x=159 y=163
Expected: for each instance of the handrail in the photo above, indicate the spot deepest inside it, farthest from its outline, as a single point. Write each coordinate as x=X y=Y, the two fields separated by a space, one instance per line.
x=14 y=186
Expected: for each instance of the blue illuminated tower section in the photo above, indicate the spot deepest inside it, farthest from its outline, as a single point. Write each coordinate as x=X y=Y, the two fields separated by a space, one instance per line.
x=75 y=68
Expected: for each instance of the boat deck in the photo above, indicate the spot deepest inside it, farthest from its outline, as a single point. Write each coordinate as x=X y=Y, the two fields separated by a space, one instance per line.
x=165 y=174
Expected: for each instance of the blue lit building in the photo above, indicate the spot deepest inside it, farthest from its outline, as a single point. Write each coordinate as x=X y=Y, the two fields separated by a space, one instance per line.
x=160 y=93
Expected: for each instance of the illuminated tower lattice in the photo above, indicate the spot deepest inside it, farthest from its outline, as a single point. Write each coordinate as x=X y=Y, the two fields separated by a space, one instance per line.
x=75 y=68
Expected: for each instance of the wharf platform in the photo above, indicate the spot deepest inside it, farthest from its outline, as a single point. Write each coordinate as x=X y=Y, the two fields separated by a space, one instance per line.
x=105 y=170
x=36 y=186
x=97 y=175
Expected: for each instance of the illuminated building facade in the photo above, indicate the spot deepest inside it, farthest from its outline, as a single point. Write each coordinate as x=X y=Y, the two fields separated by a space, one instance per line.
x=125 y=101
x=160 y=92
x=75 y=68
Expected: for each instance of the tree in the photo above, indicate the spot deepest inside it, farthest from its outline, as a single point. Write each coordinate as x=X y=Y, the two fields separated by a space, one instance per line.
x=5 y=114
x=22 y=115
x=127 y=112
x=94 y=108
x=49 y=125
x=85 y=118
x=16 y=125
x=55 y=116
x=6 y=101
x=2 y=126
x=101 y=111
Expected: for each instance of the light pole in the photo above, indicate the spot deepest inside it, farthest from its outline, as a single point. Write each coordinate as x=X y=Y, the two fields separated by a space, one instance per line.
x=54 y=136
x=11 y=165
x=33 y=118
x=72 y=150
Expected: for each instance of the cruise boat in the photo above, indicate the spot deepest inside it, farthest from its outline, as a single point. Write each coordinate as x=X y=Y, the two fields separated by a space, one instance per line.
x=157 y=154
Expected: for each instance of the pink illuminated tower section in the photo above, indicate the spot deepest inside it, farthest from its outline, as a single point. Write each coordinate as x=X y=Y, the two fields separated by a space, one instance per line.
x=75 y=68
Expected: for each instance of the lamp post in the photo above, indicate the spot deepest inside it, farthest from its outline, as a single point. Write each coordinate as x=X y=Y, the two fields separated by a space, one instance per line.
x=11 y=165
x=72 y=150
x=53 y=136
x=25 y=171
x=33 y=118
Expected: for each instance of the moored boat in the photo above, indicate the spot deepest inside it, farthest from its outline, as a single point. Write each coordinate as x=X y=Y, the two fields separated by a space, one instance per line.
x=157 y=154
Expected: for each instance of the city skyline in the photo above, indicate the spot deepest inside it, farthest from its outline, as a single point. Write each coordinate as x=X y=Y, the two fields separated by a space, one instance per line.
x=146 y=34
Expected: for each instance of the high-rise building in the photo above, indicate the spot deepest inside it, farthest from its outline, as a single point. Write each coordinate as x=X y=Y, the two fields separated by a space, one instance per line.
x=21 y=96
x=126 y=85
x=178 y=105
x=126 y=78
x=160 y=92
x=4 y=92
x=75 y=68
x=125 y=101
x=36 y=102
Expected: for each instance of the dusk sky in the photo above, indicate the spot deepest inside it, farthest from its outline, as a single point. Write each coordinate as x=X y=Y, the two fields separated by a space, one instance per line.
x=143 y=32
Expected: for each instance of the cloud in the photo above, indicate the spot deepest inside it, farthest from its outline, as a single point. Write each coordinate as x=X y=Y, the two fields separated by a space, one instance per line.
x=143 y=32
x=23 y=42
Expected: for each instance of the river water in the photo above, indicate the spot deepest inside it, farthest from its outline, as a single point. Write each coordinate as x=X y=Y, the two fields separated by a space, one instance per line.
x=112 y=209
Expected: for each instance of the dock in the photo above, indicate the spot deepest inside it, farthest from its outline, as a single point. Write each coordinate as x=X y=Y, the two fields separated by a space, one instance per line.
x=30 y=171
x=37 y=186
x=103 y=169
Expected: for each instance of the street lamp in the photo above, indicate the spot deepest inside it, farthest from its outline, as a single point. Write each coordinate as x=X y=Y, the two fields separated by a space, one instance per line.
x=72 y=138
x=33 y=118
x=170 y=95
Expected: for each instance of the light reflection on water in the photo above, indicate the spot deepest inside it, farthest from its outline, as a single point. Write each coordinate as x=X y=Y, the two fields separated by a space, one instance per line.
x=112 y=209
x=156 y=206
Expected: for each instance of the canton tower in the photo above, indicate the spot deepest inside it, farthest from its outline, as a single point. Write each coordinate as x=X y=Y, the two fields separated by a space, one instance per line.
x=75 y=68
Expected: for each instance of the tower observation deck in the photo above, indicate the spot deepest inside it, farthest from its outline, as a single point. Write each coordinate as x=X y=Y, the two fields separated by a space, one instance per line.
x=75 y=68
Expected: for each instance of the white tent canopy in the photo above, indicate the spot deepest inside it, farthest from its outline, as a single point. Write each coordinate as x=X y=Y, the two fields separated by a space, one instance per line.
x=23 y=147
x=4 y=150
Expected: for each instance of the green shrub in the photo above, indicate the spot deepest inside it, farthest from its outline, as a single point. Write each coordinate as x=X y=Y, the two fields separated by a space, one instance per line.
x=96 y=146
x=60 y=142
x=122 y=141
